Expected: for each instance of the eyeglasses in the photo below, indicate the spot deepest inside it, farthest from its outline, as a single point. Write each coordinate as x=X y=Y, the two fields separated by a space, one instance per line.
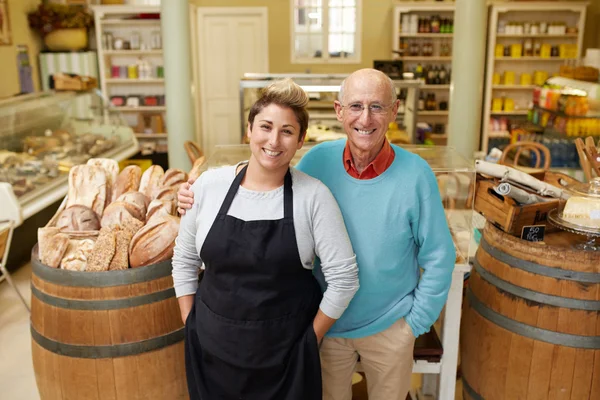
x=358 y=108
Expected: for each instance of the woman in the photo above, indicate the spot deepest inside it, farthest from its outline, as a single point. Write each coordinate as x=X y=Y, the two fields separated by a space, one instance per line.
x=254 y=325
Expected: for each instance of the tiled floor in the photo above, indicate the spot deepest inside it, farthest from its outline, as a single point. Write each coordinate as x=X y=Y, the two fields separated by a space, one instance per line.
x=17 y=380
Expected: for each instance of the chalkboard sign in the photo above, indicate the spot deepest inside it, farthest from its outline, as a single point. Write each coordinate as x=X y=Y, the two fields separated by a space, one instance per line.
x=533 y=233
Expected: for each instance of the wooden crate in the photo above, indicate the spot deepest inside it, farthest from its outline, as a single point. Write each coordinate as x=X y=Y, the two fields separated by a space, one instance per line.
x=511 y=217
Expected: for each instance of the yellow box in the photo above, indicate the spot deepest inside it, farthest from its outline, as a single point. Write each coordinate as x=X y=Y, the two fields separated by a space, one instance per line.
x=509 y=104
x=526 y=79
x=496 y=79
x=499 y=52
x=497 y=104
x=516 y=50
x=144 y=164
x=509 y=77
x=545 y=51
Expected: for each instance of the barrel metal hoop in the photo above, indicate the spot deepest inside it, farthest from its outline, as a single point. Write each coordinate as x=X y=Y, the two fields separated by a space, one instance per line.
x=97 y=305
x=101 y=279
x=532 y=332
x=532 y=295
x=559 y=273
x=470 y=391
x=110 y=351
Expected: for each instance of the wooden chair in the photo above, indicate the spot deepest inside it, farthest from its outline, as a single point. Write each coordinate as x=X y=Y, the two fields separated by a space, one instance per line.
x=193 y=151
x=541 y=153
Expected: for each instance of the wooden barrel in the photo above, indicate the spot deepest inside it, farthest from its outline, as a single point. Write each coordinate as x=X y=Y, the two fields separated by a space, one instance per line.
x=530 y=325
x=106 y=335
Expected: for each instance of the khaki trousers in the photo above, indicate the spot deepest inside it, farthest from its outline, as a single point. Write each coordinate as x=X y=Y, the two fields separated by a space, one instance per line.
x=386 y=358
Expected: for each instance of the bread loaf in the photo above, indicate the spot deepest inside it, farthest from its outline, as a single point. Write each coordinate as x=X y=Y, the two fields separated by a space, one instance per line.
x=151 y=180
x=123 y=236
x=166 y=193
x=52 y=245
x=78 y=218
x=173 y=178
x=162 y=207
x=103 y=251
x=154 y=242
x=80 y=247
x=119 y=212
x=87 y=187
x=137 y=198
x=127 y=181
x=111 y=167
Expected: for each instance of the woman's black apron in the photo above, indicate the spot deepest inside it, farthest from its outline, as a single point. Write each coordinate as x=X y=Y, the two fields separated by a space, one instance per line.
x=249 y=335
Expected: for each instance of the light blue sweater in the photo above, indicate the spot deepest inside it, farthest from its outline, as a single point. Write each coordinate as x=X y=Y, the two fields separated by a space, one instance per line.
x=396 y=224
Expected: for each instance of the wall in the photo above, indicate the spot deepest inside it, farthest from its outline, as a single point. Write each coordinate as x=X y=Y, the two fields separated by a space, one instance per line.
x=21 y=34
x=376 y=34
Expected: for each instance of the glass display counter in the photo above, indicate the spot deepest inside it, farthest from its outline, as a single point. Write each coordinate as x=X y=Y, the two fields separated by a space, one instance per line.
x=455 y=176
x=322 y=90
x=42 y=135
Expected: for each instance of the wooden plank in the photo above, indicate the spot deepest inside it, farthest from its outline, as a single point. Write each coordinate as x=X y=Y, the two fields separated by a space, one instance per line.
x=595 y=389
x=45 y=365
x=105 y=380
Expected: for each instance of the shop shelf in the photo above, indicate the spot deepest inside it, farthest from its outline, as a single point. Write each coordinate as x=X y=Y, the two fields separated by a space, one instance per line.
x=426 y=35
x=513 y=87
x=436 y=87
x=134 y=81
x=433 y=113
x=540 y=35
x=423 y=58
x=132 y=52
x=130 y=22
x=151 y=135
x=141 y=109
x=516 y=112
x=533 y=59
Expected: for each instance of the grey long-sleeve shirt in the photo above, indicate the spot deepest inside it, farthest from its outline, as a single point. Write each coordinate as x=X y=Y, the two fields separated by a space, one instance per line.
x=318 y=222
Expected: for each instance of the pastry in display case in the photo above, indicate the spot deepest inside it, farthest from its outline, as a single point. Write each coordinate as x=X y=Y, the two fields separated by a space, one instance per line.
x=455 y=176
x=322 y=91
x=43 y=135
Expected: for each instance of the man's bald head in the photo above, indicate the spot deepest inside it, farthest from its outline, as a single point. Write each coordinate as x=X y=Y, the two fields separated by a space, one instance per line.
x=374 y=77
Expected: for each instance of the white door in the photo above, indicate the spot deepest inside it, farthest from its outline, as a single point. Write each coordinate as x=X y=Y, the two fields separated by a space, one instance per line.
x=231 y=41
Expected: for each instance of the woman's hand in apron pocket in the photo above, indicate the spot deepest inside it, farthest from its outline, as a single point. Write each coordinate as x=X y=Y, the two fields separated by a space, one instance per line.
x=186 y=303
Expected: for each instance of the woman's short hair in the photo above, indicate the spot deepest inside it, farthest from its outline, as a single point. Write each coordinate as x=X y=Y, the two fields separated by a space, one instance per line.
x=284 y=93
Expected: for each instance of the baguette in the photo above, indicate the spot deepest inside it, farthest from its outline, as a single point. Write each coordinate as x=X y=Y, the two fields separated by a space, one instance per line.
x=111 y=167
x=103 y=251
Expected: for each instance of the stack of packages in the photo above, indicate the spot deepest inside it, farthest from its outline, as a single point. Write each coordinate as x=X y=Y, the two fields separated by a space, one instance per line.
x=113 y=221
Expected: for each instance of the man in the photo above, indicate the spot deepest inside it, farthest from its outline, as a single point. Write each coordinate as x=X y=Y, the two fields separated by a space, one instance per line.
x=394 y=215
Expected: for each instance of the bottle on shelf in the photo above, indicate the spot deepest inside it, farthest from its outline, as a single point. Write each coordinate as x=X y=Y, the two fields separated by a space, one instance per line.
x=436 y=76
x=402 y=101
x=421 y=105
x=435 y=24
x=419 y=72
x=443 y=75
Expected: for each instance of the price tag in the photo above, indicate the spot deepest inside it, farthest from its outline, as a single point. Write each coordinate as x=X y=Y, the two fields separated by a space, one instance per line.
x=533 y=233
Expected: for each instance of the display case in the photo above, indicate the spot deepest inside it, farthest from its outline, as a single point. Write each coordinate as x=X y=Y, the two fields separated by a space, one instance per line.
x=456 y=182
x=322 y=91
x=42 y=135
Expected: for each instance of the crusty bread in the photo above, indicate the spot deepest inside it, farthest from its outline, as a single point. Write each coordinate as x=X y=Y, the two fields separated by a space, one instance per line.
x=173 y=178
x=103 y=251
x=151 y=180
x=111 y=167
x=137 y=198
x=166 y=193
x=154 y=242
x=80 y=247
x=87 y=187
x=123 y=235
x=52 y=245
x=166 y=207
x=127 y=181
x=119 y=212
x=78 y=218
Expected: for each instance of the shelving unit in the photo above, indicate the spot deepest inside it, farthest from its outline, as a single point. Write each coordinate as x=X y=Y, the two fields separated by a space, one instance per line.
x=442 y=91
x=121 y=21
x=571 y=13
